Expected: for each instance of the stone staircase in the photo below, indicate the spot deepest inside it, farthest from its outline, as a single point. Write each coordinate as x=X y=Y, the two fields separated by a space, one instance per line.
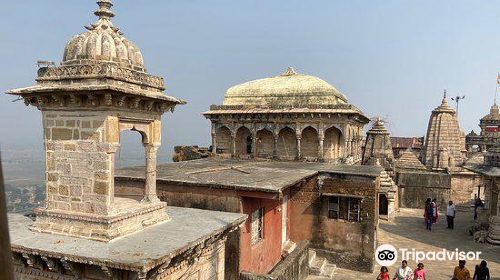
x=319 y=267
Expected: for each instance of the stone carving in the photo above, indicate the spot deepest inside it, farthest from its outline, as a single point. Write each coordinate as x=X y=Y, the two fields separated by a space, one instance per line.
x=102 y=70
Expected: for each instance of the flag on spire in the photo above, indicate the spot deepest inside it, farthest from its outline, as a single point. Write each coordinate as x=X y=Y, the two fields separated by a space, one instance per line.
x=498 y=78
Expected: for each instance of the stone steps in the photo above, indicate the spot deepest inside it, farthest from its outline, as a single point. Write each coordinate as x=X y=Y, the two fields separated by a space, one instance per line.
x=319 y=267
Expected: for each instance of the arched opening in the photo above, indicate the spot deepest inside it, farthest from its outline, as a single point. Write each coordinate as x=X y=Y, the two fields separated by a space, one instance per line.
x=244 y=141
x=223 y=140
x=383 y=205
x=309 y=144
x=331 y=144
x=131 y=150
x=287 y=145
x=264 y=143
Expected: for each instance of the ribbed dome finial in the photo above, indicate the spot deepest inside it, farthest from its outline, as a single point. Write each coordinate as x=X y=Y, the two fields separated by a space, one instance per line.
x=289 y=72
x=104 y=11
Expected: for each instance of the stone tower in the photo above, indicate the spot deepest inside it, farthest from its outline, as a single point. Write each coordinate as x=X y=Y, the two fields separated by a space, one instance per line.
x=100 y=89
x=444 y=147
x=378 y=146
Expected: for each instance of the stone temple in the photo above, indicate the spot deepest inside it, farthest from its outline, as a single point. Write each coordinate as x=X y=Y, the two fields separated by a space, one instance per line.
x=490 y=132
x=291 y=116
x=444 y=147
x=100 y=89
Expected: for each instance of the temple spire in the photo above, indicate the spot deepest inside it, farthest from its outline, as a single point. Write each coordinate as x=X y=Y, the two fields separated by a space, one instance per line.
x=445 y=100
x=104 y=11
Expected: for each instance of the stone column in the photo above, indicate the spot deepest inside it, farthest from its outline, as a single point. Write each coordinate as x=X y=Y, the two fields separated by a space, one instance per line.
x=214 y=142
x=254 y=143
x=150 y=186
x=111 y=151
x=233 y=144
x=275 y=147
x=297 y=138
x=321 y=139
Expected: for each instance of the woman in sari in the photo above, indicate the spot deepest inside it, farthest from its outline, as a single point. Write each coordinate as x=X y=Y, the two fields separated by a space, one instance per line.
x=435 y=213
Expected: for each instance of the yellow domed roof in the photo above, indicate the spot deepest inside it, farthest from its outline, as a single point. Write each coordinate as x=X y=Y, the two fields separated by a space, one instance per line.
x=103 y=42
x=287 y=90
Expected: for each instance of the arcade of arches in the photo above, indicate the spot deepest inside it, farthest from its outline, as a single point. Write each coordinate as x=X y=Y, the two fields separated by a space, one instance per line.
x=287 y=142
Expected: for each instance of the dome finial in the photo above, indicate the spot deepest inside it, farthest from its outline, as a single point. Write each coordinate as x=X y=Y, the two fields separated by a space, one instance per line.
x=445 y=100
x=289 y=72
x=104 y=11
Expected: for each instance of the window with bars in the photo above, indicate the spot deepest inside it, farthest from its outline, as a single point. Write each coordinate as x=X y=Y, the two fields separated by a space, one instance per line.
x=257 y=224
x=344 y=208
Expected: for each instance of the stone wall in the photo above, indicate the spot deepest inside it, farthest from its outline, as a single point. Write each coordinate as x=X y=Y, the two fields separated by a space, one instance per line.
x=224 y=140
x=309 y=143
x=331 y=148
x=77 y=162
x=195 y=197
x=464 y=187
x=345 y=243
x=265 y=144
x=416 y=187
x=286 y=144
x=293 y=267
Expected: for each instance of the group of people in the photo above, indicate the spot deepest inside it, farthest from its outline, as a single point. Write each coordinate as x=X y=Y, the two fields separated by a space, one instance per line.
x=403 y=272
x=431 y=214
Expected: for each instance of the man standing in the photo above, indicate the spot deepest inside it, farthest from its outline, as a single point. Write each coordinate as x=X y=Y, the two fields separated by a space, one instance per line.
x=461 y=272
x=450 y=214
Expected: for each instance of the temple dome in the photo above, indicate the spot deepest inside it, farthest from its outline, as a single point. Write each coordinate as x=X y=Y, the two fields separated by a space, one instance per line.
x=287 y=90
x=103 y=42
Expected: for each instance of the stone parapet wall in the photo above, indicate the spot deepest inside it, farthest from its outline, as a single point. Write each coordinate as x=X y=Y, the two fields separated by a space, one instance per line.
x=293 y=267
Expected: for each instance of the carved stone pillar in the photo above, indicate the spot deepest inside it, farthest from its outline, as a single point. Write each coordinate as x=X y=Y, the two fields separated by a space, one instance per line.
x=321 y=139
x=254 y=143
x=298 y=155
x=233 y=144
x=110 y=151
x=214 y=143
x=150 y=186
x=320 y=148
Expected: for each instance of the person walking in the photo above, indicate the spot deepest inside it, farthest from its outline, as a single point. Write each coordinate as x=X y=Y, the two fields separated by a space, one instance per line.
x=429 y=210
x=384 y=274
x=403 y=272
x=482 y=272
x=436 y=211
x=427 y=202
x=477 y=204
x=450 y=215
x=419 y=273
x=461 y=272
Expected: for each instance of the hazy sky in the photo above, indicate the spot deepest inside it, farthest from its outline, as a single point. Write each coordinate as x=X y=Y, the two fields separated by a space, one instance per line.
x=390 y=58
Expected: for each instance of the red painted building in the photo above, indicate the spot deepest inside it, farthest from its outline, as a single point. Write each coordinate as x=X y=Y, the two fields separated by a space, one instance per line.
x=286 y=203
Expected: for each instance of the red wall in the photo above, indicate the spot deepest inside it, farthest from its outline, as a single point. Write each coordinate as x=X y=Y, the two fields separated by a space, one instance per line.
x=263 y=256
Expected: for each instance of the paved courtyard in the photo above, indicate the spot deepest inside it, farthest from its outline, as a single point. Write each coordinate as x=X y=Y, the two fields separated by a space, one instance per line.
x=408 y=231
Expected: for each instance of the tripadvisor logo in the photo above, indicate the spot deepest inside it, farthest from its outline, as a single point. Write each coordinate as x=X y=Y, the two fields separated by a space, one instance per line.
x=387 y=255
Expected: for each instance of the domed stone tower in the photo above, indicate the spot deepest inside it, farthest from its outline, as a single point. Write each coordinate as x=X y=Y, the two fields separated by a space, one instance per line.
x=100 y=89
x=289 y=117
x=444 y=147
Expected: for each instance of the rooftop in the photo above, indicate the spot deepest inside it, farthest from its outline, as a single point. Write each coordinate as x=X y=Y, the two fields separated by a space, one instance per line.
x=253 y=175
x=139 y=251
